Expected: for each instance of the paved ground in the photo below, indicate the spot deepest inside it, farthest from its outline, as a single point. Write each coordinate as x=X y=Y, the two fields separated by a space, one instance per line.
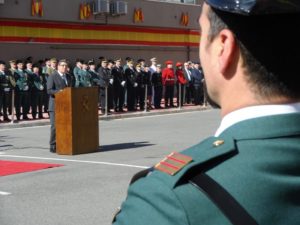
x=113 y=115
x=88 y=188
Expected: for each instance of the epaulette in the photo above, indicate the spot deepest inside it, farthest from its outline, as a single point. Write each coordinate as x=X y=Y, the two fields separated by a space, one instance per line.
x=204 y=156
x=173 y=163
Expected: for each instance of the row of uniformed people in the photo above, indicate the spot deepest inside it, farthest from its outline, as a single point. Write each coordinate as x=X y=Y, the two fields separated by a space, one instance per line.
x=125 y=84
x=114 y=81
x=29 y=90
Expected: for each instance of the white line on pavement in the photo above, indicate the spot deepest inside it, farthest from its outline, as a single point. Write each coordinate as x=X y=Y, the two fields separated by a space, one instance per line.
x=22 y=128
x=4 y=193
x=73 y=160
x=158 y=115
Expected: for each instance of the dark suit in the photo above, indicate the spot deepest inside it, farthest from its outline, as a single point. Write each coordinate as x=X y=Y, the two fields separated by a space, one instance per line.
x=119 y=90
x=197 y=77
x=189 y=85
x=55 y=83
x=104 y=77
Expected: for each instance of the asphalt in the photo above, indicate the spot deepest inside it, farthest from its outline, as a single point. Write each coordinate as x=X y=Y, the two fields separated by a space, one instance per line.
x=111 y=116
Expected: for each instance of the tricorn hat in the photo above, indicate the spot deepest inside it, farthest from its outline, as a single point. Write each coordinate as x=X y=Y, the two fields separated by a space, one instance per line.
x=256 y=7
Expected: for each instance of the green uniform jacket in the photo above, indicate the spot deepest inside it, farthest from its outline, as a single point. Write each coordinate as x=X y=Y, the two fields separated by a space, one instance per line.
x=258 y=164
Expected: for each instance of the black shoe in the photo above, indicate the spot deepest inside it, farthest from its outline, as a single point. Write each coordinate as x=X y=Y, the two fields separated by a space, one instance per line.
x=53 y=149
x=7 y=119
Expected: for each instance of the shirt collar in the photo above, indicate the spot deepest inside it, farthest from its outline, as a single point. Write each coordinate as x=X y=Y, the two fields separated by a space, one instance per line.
x=60 y=74
x=255 y=112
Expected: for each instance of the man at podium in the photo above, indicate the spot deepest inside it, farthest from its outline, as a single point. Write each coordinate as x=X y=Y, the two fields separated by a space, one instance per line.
x=57 y=81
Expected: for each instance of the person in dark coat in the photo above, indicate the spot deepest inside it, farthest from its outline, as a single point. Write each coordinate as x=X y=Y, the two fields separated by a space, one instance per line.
x=140 y=90
x=37 y=92
x=56 y=82
x=131 y=84
x=156 y=80
x=5 y=89
x=197 y=76
x=22 y=91
x=105 y=83
x=189 y=87
x=118 y=86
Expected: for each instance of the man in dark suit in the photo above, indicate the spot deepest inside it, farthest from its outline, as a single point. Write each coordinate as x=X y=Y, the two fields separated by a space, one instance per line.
x=56 y=82
x=189 y=88
x=197 y=77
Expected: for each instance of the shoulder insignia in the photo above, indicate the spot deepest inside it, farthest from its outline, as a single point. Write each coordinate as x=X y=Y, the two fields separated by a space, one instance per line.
x=173 y=163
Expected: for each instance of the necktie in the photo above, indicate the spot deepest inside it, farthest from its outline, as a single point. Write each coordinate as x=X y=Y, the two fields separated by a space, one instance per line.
x=65 y=79
x=188 y=74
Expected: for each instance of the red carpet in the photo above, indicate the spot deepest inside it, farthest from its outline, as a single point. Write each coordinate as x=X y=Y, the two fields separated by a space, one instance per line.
x=12 y=167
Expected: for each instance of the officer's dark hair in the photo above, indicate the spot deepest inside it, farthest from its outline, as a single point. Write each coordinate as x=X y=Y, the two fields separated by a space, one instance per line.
x=271 y=75
x=79 y=61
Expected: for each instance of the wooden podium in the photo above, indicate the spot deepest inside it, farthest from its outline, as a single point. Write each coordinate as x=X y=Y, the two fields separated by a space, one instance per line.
x=76 y=120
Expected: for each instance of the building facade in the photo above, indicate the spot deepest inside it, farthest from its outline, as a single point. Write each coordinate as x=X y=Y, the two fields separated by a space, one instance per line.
x=90 y=29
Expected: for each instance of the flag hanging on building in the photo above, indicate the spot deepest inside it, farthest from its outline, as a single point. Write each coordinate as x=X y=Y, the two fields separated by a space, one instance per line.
x=138 y=16
x=37 y=8
x=184 y=21
x=85 y=11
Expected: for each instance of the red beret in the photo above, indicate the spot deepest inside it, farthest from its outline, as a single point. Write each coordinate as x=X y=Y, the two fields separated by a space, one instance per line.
x=178 y=64
x=169 y=62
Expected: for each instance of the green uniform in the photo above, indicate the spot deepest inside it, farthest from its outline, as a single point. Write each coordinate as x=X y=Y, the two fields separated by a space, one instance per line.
x=257 y=161
x=76 y=73
x=84 y=78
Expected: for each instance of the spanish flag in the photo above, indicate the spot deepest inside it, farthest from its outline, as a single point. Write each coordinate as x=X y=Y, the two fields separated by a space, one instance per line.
x=138 y=15
x=85 y=11
x=141 y=15
x=81 y=11
x=37 y=8
x=184 y=19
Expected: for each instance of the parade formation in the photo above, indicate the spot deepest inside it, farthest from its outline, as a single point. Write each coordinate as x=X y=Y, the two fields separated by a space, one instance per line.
x=129 y=87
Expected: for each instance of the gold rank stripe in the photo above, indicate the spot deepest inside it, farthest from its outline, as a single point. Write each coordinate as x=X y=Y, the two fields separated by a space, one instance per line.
x=173 y=163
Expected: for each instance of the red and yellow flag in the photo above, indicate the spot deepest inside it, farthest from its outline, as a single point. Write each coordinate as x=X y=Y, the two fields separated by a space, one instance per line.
x=85 y=11
x=37 y=8
x=184 y=20
x=138 y=15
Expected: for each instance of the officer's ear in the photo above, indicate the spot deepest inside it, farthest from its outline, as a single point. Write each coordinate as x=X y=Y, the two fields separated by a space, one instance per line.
x=226 y=51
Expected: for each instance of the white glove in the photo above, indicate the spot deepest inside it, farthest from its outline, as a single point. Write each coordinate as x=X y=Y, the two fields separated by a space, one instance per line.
x=111 y=81
x=135 y=85
x=123 y=83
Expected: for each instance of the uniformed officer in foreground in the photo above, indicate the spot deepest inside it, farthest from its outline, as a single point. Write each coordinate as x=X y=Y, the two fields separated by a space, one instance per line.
x=248 y=172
